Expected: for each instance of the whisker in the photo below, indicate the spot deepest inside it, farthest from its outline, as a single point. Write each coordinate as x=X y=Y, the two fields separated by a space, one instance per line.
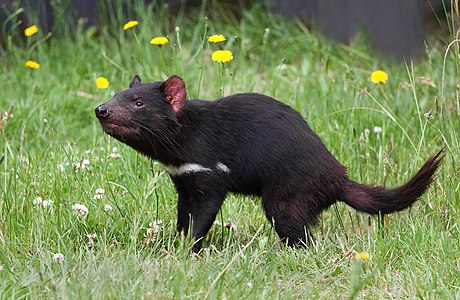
x=163 y=136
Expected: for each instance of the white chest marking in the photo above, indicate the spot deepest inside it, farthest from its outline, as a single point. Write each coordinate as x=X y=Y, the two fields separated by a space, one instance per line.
x=186 y=169
x=194 y=168
x=223 y=168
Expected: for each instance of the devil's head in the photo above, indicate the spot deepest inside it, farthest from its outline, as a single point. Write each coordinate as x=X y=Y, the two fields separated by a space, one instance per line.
x=143 y=113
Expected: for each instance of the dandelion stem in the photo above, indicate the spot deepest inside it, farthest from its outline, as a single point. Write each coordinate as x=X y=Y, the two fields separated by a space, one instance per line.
x=202 y=57
x=136 y=38
x=276 y=76
x=178 y=41
x=392 y=119
x=112 y=62
x=162 y=59
x=37 y=43
x=221 y=79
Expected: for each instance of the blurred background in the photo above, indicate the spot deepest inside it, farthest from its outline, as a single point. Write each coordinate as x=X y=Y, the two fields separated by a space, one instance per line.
x=395 y=29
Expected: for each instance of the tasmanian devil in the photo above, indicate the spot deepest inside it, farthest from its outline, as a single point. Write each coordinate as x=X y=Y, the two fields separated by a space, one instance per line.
x=244 y=143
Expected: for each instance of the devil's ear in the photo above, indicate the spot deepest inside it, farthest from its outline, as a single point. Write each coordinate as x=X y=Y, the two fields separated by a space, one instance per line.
x=135 y=82
x=174 y=88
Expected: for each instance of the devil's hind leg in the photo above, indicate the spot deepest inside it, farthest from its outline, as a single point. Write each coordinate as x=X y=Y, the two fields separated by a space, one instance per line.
x=291 y=215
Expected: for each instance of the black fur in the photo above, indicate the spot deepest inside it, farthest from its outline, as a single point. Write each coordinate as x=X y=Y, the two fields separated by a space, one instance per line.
x=268 y=147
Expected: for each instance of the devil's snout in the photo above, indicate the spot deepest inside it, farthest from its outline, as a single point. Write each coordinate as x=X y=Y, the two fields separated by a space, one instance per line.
x=102 y=112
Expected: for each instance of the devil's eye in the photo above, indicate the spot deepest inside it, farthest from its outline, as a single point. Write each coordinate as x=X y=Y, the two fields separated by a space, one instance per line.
x=139 y=103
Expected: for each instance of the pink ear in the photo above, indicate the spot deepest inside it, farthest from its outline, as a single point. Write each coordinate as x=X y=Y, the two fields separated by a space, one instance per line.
x=175 y=93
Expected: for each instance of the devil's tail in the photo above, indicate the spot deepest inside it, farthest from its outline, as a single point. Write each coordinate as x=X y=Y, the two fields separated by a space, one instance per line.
x=376 y=199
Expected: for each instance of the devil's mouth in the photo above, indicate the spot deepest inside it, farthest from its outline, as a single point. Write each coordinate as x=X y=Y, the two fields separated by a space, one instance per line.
x=110 y=127
x=118 y=130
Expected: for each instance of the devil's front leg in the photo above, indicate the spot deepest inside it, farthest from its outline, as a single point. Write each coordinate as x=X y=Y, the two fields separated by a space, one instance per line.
x=199 y=200
x=184 y=211
x=184 y=214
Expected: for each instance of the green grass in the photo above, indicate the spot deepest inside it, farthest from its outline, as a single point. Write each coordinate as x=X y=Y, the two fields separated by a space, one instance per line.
x=414 y=255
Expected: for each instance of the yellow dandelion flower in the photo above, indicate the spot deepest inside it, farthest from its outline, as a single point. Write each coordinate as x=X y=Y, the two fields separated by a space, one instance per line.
x=159 y=41
x=222 y=56
x=31 y=30
x=362 y=256
x=102 y=83
x=130 y=25
x=32 y=64
x=216 y=38
x=379 y=76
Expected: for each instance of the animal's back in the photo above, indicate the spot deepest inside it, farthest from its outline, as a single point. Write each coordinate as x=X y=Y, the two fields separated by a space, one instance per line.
x=266 y=141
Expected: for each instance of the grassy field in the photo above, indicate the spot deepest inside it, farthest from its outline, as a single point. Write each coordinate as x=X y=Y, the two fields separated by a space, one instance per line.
x=52 y=147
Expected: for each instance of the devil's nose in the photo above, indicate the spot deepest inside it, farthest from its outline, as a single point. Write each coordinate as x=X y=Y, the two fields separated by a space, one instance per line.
x=102 y=112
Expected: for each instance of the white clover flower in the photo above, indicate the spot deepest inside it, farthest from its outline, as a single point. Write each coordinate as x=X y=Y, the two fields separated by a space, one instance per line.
x=230 y=225
x=151 y=231
x=227 y=224
x=38 y=201
x=99 y=194
x=58 y=257
x=6 y=116
x=377 y=129
x=428 y=115
x=78 y=167
x=154 y=227
x=83 y=166
x=47 y=203
x=100 y=191
x=80 y=210
x=115 y=154
x=91 y=238
x=149 y=240
x=108 y=207
x=1 y=267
